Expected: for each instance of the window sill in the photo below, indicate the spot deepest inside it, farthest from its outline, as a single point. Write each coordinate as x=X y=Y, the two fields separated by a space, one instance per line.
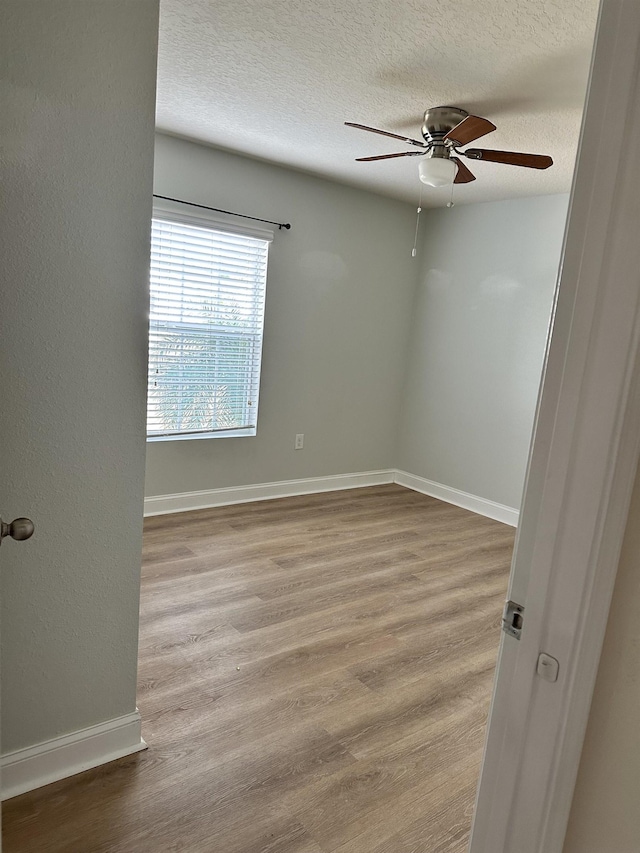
x=236 y=433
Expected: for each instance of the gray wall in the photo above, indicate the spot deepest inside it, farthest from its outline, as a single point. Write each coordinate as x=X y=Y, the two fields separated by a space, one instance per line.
x=76 y=141
x=605 y=815
x=339 y=295
x=339 y=364
x=480 y=321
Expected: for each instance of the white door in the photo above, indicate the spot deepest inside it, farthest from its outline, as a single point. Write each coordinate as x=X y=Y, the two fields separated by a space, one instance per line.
x=581 y=470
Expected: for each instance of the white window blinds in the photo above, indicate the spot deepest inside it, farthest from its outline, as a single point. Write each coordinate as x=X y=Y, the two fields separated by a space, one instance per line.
x=205 y=330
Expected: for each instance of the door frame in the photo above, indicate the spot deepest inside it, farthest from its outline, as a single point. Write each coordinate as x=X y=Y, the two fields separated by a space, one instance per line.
x=582 y=467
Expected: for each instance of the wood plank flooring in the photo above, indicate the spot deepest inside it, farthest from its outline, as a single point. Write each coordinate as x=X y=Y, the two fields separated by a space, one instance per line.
x=315 y=675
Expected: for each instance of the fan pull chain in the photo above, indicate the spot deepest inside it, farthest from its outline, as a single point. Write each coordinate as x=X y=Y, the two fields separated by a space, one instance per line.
x=415 y=236
x=450 y=202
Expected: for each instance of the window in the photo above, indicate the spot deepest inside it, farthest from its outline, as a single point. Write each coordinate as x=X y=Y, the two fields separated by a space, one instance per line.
x=205 y=330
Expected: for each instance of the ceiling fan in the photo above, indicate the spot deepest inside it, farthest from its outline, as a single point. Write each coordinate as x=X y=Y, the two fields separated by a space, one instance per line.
x=445 y=130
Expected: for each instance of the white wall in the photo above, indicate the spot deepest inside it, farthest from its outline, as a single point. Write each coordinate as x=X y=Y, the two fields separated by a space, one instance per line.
x=339 y=295
x=76 y=147
x=605 y=815
x=480 y=321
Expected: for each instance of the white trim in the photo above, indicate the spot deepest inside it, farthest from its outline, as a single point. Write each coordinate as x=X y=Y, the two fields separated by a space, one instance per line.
x=247 y=432
x=186 y=501
x=31 y=768
x=209 y=498
x=481 y=506
x=581 y=472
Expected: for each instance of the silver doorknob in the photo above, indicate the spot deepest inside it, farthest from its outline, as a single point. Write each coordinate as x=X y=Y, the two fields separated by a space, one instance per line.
x=19 y=528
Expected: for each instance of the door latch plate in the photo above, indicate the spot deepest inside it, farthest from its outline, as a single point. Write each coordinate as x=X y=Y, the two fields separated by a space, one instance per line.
x=513 y=619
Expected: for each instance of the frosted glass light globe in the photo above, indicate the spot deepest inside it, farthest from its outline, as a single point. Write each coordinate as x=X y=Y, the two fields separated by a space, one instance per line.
x=437 y=171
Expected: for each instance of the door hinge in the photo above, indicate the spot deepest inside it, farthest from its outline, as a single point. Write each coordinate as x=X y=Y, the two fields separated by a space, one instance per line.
x=513 y=619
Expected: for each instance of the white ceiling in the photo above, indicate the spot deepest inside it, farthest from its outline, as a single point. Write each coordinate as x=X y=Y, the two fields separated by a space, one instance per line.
x=276 y=79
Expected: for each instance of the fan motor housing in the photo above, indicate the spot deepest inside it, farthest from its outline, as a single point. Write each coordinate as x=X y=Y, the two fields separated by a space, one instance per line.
x=438 y=121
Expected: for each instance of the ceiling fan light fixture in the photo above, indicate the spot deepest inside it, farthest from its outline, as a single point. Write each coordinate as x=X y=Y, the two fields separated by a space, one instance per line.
x=437 y=171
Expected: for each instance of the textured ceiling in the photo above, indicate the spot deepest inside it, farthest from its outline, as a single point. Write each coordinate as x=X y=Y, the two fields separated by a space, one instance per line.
x=276 y=79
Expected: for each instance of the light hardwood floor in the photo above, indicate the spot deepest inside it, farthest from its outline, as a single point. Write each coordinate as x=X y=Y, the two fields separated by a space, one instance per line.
x=315 y=675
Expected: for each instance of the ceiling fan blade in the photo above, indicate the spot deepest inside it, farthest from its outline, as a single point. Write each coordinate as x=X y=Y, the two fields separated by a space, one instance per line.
x=463 y=175
x=389 y=156
x=511 y=158
x=470 y=128
x=386 y=133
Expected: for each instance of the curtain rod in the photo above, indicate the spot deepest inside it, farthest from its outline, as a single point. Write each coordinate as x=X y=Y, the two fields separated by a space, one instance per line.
x=280 y=225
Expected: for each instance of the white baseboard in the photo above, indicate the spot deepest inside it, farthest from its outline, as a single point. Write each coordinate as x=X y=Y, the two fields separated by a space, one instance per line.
x=185 y=501
x=482 y=506
x=30 y=768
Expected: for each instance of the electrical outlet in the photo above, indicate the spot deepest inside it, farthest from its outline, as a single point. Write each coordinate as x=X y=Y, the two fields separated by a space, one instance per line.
x=299 y=441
